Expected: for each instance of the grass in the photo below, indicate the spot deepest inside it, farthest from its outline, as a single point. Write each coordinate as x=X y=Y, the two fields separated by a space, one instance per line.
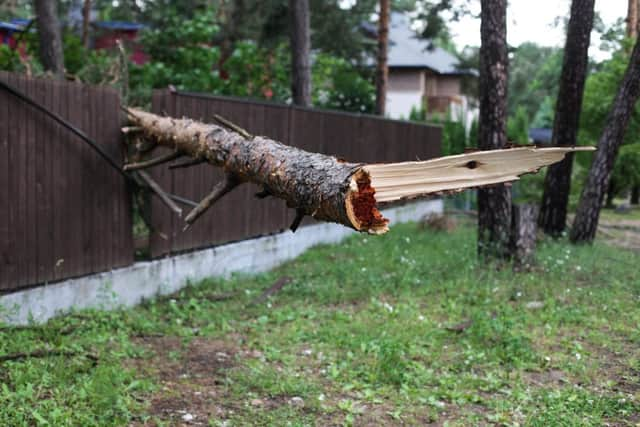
x=404 y=329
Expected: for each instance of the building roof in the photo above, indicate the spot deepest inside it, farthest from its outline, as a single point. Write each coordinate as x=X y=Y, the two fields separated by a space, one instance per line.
x=118 y=25
x=407 y=50
x=540 y=135
x=9 y=26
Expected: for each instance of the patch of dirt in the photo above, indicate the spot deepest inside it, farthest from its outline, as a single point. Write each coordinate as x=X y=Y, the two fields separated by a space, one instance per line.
x=191 y=378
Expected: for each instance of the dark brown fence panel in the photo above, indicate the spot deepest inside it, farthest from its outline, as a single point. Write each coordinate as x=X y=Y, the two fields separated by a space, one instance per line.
x=240 y=215
x=64 y=212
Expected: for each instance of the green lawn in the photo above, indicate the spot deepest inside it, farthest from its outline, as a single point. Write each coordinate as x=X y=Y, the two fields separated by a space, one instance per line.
x=408 y=329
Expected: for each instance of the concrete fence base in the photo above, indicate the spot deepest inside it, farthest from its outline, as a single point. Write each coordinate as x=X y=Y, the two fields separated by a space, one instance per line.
x=144 y=280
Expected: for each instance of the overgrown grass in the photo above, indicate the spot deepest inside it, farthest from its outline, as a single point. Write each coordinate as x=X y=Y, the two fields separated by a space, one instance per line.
x=407 y=328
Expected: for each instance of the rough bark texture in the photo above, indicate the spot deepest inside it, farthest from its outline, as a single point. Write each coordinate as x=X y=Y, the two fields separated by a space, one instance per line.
x=632 y=19
x=317 y=185
x=300 y=51
x=523 y=234
x=494 y=204
x=586 y=221
x=49 y=37
x=557 y=184
x=86 y=20
x=382 y=70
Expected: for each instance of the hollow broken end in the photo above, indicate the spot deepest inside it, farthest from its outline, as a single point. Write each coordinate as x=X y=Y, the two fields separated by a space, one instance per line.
x=361 y=206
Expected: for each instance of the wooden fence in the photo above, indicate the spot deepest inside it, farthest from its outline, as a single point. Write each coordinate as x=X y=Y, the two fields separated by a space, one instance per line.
x=64 y=212
x=240 y=215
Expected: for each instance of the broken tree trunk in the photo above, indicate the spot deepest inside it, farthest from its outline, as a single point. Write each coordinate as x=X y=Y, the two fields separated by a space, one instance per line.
x=324 y=187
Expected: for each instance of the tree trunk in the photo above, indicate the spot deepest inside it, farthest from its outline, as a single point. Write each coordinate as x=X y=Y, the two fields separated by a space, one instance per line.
x=300 y=52
x=586 y=221
x=86 y=21
x=635 y=194
x=557 y=184
x=494 y=204
x=322 y=186
x=611 y=193
x=382 y=71
x=49 y=37
x=632 y=19
x=523 y=235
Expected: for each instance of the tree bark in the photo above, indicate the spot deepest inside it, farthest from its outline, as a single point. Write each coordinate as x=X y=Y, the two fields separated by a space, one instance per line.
x=49 y=37
x=635 y=194
x=494 y=204
x=86 y=21
x=632 y=19
x=523 y=234
x=322 y=186
x=586 y=220
x=557 y=184
x=300 y=52
x=382 y=70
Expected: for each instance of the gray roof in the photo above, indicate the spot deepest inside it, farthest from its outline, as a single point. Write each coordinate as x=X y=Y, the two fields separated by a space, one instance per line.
x=407 y=50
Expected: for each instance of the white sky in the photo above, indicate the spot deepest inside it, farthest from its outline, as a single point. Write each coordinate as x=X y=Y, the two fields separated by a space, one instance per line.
x=532 y=20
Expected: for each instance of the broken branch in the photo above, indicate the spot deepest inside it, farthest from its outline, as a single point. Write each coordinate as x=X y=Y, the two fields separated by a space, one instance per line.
x=331 y=190
x=155 y=187
x=228 y=183
x=153 y=162
x=232 y=126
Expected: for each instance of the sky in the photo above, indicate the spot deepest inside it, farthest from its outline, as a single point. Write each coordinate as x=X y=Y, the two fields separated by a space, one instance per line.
x=532 y=20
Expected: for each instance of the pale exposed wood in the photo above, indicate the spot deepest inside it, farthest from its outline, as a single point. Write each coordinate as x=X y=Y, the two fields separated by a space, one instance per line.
x=394 y=181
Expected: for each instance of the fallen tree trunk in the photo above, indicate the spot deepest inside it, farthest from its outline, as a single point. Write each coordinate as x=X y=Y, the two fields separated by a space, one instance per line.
x=322 y=186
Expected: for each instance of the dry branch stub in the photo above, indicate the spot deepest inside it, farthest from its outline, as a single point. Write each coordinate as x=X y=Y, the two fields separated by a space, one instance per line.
x=329 y=189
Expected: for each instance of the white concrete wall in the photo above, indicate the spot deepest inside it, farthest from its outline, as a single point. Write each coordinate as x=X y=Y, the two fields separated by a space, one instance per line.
x=131 y=285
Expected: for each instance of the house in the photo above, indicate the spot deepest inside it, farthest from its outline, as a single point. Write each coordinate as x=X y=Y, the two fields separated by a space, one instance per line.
x=107 y=33
x=9 y=34
x=421 y=75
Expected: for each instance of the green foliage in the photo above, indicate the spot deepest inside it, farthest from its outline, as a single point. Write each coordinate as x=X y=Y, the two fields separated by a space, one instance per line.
x=544 y=115
x=337 y=84
x=10 y=59
x=518 y=127
x=626 y=172
x=534 y=74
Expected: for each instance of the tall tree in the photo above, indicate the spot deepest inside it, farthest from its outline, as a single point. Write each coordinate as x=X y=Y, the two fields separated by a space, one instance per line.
x=300 y=52
x=588 y=212
x=86 y=21
x=557 y=184
x=49 y=37
x=382 y=70
x=494 y=204
x=632 y=19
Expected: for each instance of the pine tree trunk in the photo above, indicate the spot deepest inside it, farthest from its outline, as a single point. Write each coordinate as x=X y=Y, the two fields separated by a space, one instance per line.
x=324 y=187
x=632 y=19
x=300 y=52
x=49 y=37
x=586 y=221
x=557 y=184
x=86 y=21
x=635 y=195
x=494 y=204
x=382 y=71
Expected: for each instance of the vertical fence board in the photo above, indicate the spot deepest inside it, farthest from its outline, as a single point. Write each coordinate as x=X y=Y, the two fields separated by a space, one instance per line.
x=63 y=211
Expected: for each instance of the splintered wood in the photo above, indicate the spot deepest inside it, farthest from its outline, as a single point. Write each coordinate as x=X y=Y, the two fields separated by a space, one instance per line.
x=322 y=186
x=394 y=181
